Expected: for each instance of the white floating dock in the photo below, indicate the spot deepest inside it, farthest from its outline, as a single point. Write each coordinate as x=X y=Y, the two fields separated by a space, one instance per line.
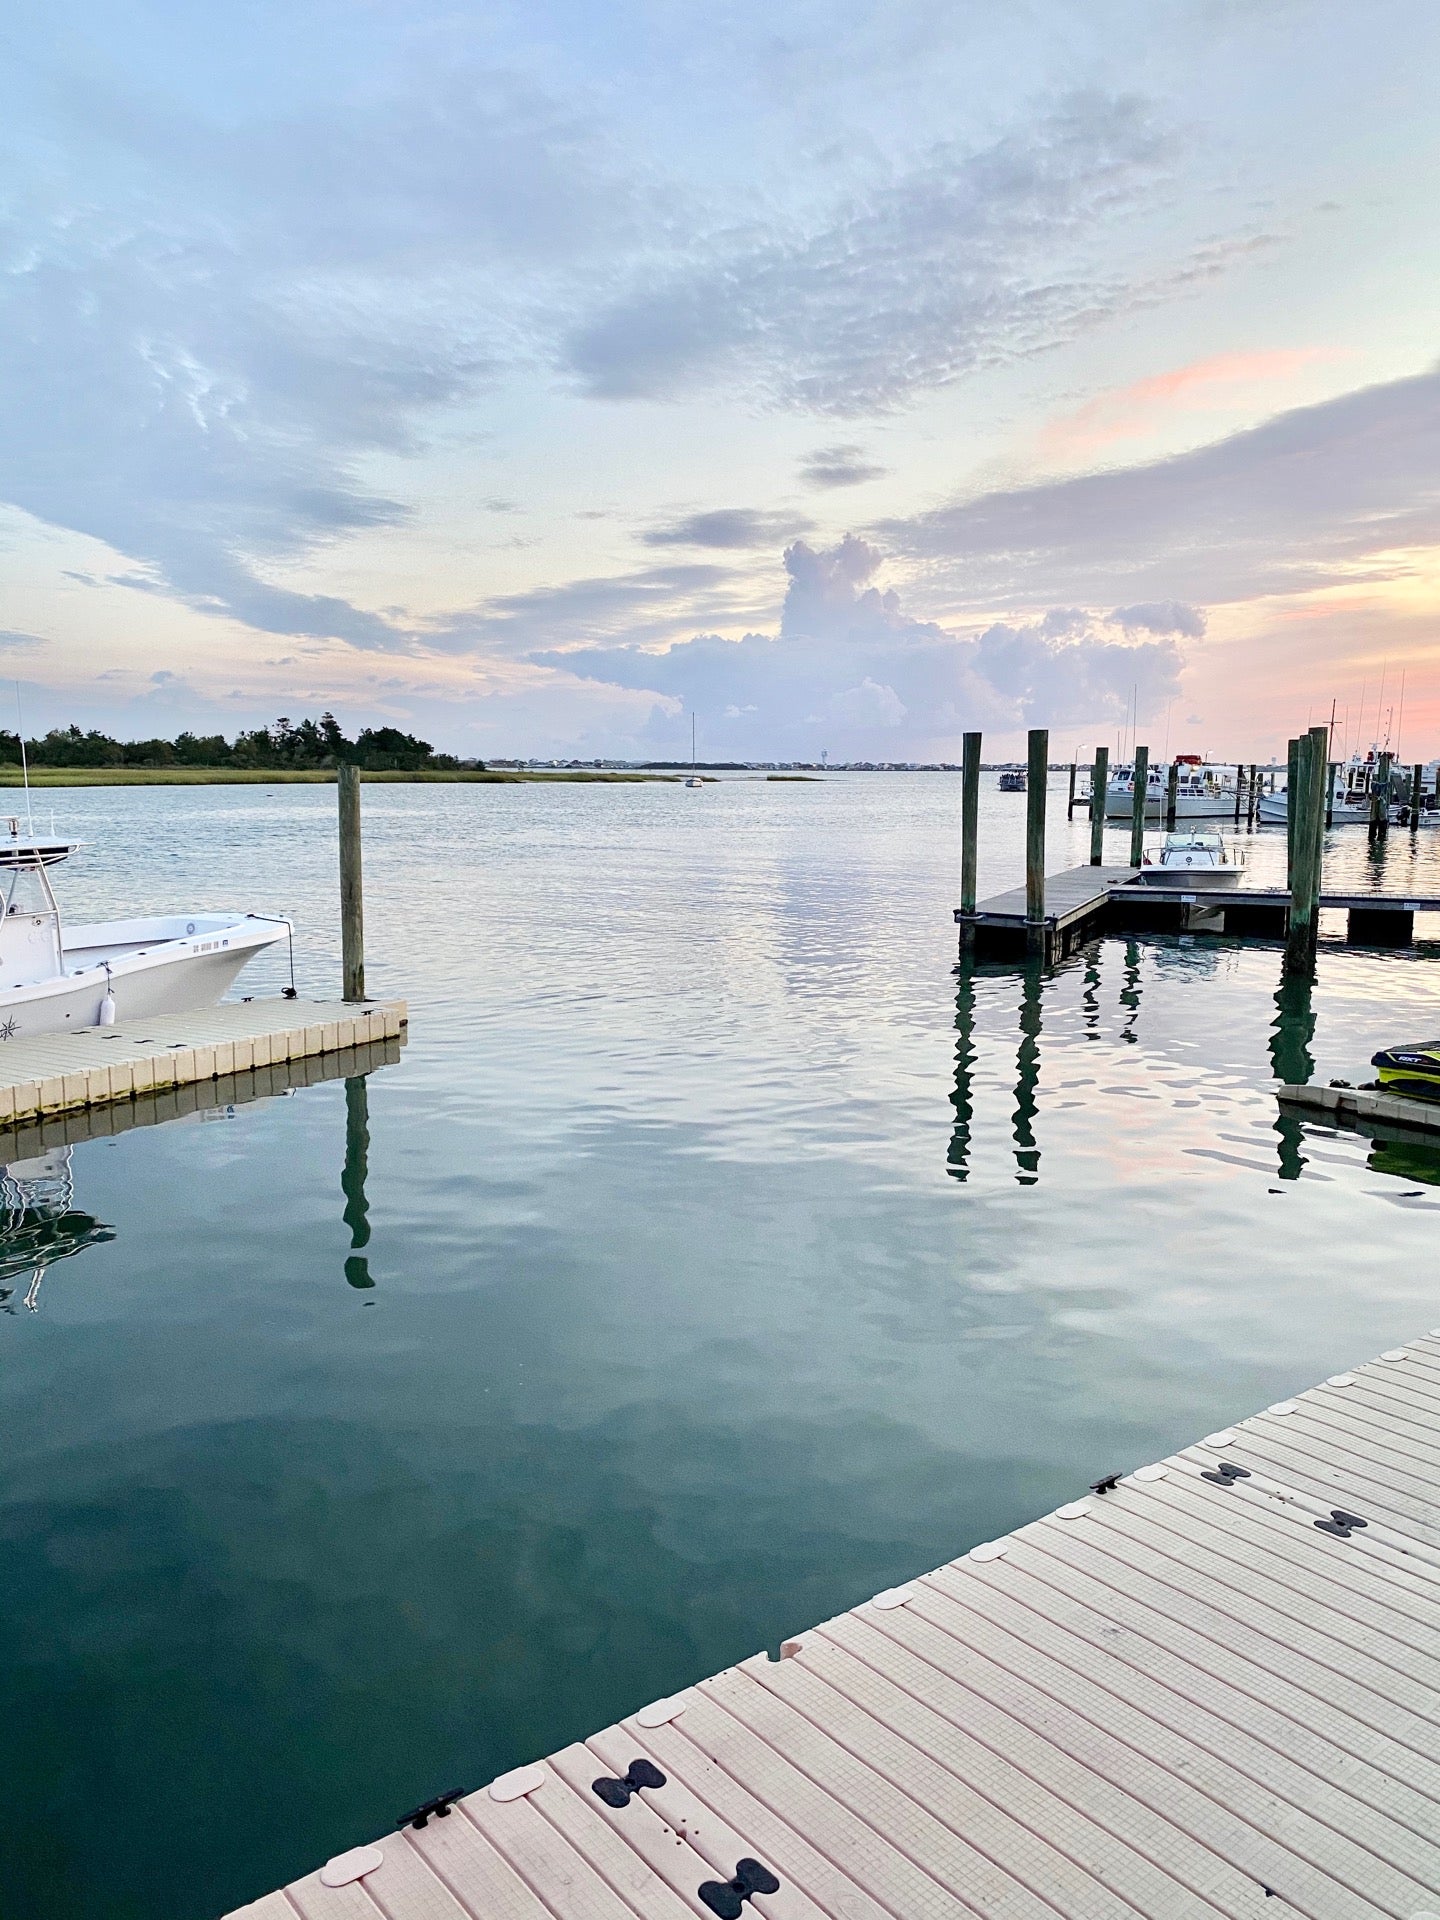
x=1364 y=1103
x=1210 y=1690
x=61 y=1072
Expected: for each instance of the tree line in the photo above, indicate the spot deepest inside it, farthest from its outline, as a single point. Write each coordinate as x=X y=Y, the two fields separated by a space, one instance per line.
x=286 y=745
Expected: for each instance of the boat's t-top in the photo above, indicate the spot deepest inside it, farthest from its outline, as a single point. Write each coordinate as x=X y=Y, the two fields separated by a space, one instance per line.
x=32 y=849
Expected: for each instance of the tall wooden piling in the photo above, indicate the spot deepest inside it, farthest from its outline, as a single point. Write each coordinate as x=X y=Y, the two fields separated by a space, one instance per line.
x=1417 y=783
x=1380 y=798
x=1292 y=774
x=1137 y=805
x=1254 y=798
x=1099 y=792
x=352 y=914
x=1172 y=795
x=1070 y=802
x=1307 y=815
x=1239 y=792
x=1036 y=778
x=1332 y=773
x=969 y=825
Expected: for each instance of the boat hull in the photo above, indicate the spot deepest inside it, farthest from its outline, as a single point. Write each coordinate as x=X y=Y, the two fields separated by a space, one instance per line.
x=1119 y=805
x=149 y=967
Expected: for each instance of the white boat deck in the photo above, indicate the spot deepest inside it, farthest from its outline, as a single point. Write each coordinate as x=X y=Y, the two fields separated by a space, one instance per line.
x=1199 y=1693
x=55 y=1073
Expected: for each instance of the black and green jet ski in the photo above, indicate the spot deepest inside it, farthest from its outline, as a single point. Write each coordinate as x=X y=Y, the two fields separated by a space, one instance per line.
x=1412 y=1069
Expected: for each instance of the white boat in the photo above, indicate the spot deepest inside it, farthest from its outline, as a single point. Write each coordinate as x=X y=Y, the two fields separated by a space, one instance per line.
x=1351 y=784
x=55 y=979
x=1201 y=792
x=1199 y=856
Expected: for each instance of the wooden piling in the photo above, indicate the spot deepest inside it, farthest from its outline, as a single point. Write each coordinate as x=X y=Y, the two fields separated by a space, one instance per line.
x=1137 y=805
x=1292 y=763
x=1417 y=782
x=1307 y=815
x=1036 y=778
x=1099 y=790
x=1070 y=802
x=1239 y=792
x=969 y=821
x=1254 y=798
x=352 y=914
x=1172 y=795
x=1332 y=771
x=1380 y=798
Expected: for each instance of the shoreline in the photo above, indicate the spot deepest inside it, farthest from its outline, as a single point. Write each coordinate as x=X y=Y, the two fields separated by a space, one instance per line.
x=291 y=776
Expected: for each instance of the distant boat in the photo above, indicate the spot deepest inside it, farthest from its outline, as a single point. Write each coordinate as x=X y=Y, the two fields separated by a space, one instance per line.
x=1351 y=786
x=1012 y=780
x=1201 y=792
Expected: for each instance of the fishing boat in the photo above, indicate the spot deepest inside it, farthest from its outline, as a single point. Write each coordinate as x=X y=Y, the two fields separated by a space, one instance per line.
x=1012 y=780
x=1201 y=792
x=1199 y=856
x=55 y=979
x=1352 y=784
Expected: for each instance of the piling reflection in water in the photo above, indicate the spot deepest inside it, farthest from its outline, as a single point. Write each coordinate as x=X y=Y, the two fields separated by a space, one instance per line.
x=352 y=1179
x=962 y=1099
x=1130 y=992
x=39 y=1225
x=1027 y=1076
x=1291 y=1032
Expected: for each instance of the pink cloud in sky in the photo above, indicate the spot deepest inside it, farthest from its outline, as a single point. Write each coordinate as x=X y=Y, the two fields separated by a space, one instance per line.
x=1219 y=381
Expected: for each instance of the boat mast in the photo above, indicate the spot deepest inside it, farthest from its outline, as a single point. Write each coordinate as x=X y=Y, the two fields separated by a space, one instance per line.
x=24 y=763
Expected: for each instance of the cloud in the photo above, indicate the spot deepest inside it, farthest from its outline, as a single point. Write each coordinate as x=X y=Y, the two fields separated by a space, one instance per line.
x=851 y=671
x=11 y=639
x=967 y=258
x=726 y=527
x=1316 y=497
x=844 y=465
x=1217 y=380
x=1161 y=616
x=647 y=605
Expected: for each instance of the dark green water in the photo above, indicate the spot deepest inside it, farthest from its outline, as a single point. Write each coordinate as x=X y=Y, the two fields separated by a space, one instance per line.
x=730 y=1256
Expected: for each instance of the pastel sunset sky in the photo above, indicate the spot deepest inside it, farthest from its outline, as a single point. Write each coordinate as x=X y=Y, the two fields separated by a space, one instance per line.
x=846 y=374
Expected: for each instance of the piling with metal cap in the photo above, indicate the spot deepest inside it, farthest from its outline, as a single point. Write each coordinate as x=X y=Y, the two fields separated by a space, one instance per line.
x=1037 y=774
x=969 y=825
x=352 y=914
x=1099 y=789
x=1137 y=805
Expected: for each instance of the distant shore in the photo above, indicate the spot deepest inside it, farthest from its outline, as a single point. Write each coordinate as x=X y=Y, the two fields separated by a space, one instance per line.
x=277 y=777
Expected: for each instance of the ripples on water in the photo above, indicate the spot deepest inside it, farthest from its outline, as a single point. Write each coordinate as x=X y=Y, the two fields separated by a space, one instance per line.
x=715 y=1256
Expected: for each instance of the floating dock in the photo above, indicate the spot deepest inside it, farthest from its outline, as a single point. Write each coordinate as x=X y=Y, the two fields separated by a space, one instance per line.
x=1083 y=901
x=1207 y=1687
x=1364 y=1103
x=64 y=1072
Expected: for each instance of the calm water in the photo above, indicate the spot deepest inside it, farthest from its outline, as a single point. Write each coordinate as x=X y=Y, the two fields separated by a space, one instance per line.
x=731 y=1258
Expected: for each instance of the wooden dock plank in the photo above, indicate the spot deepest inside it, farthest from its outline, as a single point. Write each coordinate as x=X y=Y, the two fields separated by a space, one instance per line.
x=1186 y=1702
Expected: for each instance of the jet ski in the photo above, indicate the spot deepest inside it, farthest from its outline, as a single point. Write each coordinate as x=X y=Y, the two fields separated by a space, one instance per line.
x=1411 y=1069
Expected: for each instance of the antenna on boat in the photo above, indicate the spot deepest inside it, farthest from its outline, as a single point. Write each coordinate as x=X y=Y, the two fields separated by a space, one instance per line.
x=24 y=763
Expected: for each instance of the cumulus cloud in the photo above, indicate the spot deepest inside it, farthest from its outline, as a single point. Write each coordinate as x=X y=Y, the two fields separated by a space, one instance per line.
x=726 y=527
x=964 y=259
x=850 y=670
x=1161 y=616
x=1313 y=498
x=843 y=465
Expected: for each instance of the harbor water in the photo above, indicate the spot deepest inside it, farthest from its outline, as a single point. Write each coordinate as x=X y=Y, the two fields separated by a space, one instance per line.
x=715 y=1255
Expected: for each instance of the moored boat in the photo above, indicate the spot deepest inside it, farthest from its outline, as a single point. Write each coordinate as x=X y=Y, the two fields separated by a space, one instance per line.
x=55 y=979
x=1201 y=792
x=1199 y=856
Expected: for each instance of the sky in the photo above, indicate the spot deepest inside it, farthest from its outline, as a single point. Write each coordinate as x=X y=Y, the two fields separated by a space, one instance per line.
x=537 y=377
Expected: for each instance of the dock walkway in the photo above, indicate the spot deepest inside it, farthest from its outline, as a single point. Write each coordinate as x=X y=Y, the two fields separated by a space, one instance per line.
x=1081 y=901
x=1206 y=1688
x=61 y=1072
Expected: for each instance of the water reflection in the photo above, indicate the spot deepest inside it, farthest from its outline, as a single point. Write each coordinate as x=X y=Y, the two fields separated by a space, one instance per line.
x=1291 y=1032
x=352 y=1179
x=39 y=1225
x=1027 y=1076
x=1130 y=992
x=962 y=1099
